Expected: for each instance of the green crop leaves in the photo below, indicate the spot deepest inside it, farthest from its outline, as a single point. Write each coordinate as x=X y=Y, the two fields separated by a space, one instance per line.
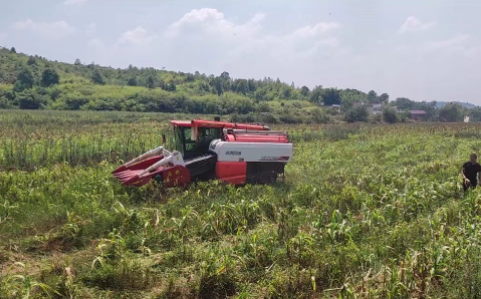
x=367 y=211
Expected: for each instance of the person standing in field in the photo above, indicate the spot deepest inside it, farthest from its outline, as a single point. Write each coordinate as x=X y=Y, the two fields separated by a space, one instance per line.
x=470 y=172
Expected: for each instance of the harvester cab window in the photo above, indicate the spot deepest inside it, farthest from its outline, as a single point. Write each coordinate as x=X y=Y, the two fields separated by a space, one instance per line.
x=206 y=135
x=179 y=140
x=195 y=148
x=183 y=142
x=213 y=133
x=189 y=143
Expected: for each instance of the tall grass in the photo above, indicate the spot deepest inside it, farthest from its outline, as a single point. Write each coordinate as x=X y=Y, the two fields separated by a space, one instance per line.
x=364 y=212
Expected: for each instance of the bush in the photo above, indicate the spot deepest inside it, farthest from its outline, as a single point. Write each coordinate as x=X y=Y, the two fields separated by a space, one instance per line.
x=98 y=77
x=332 y=111
x=267 y=118
x=75 y=103
x=357 y=114
x=132 y=81
x=288 y=118
x=50 y=77
x=30 y=100
x=451 y=113
x=24 y=81
x=4 y=103
x=248 y=118
x=6 y=100
x=263 y=107
x=376 y=118
x=320 y=117
x=389 y=115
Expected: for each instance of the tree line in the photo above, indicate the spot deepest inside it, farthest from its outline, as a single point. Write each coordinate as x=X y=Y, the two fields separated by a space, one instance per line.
x=33 y=82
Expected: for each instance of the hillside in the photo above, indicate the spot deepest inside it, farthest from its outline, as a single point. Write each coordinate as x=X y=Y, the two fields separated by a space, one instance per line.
x=33 y=82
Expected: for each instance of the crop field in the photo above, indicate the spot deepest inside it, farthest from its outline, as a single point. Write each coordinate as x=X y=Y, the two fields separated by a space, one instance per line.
x=365 y=211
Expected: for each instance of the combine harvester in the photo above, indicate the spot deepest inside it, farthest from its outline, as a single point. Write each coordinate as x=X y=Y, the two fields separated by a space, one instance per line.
x=230 y=152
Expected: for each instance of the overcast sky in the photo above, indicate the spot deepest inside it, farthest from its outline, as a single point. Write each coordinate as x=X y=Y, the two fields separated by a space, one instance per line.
x=424 y=50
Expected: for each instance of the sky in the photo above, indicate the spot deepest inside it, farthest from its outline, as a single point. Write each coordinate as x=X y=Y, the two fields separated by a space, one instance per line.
x=426 y=50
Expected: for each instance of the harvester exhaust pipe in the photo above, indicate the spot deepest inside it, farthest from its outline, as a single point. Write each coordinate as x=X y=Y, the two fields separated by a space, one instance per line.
x=163 y=139
x=216 y=118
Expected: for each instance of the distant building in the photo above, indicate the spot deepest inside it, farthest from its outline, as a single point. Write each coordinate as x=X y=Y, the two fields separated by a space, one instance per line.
x=417 y=114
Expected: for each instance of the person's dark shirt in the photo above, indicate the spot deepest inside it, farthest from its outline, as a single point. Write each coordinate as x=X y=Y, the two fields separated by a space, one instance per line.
x=471 y=170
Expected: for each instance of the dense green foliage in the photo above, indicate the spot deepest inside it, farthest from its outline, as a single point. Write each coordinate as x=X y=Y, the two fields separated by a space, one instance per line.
x=33 y=82
x=451 y=113
x=389 y=116
x=370 y=211
x=63 y=86
x=357 y=114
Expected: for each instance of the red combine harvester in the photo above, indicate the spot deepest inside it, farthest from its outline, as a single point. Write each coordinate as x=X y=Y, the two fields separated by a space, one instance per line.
x=233 y=153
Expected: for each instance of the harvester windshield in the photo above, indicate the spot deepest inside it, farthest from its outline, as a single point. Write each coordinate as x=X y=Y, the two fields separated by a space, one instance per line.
x=194 y=148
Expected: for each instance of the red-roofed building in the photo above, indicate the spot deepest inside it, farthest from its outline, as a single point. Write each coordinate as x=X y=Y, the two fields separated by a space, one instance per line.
x=417 y=114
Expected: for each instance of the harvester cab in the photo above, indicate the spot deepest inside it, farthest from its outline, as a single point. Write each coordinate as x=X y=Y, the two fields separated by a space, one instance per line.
x=231 y=152
x=193 y=142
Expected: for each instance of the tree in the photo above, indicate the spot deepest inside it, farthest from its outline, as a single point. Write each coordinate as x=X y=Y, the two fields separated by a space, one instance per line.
x=225 y=81
x=50 y=77
x=30 y=100
x=77 y=62
x=384 y=98
x=170 y=87
x=475 y=114
x=24 y=80
x=305 y=91
x=132 y=81
x=241 y=86
x=355 y=114
x=190 y=78
x=151 y=82
x=97 y=77
x=252 y=85
x=316 y=95
x=225 y=76
x=452 y=112
x=31 y=60
x=331 y=97
x=219 y=86
x=372 y=96
x=12 y=50
x=389 y=115
x=286 y=94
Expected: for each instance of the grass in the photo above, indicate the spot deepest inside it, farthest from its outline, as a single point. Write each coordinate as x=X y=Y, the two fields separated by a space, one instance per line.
x=369 y=211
